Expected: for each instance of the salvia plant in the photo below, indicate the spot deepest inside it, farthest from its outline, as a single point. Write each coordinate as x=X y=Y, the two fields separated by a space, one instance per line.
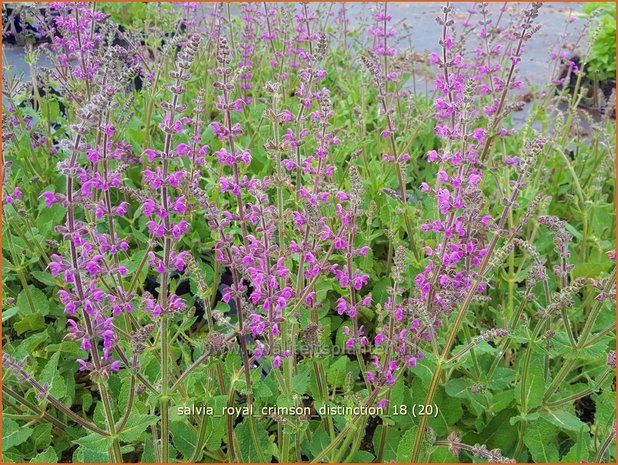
x=275 y=232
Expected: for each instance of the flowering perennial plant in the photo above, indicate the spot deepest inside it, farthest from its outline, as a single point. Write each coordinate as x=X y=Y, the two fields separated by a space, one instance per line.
x=253 y=215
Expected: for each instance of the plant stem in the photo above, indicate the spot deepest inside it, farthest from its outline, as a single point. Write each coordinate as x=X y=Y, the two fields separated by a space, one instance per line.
x=129 y=406
x=583 y=337
x=357 y=439
x=460 y=316
x=581 y=394
x=507 y=341
x=606 y=444
x=164 y=398
x=231 y=446
x=523 y=382
x=189 y=370
x=42 y=413
x=351 y=424
x=139 y=376
x=115 y=453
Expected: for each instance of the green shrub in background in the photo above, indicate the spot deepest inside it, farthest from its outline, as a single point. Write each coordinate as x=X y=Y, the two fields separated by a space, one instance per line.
x=603 y=50
x=136 y=13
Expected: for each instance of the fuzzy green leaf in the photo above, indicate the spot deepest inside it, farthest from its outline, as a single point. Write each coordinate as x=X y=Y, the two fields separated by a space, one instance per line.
x=215 y=429
x=185 y=438
x=49 y=456
x=41 y=436
x=458 y=387
x=336 y=373
x=52 y=376
x=391 y=443
x=534 y=389
x=580 y=450
x=136 y=425
x=319 y=442
x=564 y=420
x=9 y=313
x=248 y=452
x=13 y=434
x=406 y=444
x=540 y=438
x=95 y=442
x=85 y=455
x=300 y=382
x=362 y=456
x=32 y=322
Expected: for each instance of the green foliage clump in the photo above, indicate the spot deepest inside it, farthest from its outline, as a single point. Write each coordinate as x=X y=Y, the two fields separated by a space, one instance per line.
x=603 y=50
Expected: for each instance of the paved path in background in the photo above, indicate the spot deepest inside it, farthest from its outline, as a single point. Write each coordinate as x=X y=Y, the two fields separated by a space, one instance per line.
x=426 y=32
x=535 y=68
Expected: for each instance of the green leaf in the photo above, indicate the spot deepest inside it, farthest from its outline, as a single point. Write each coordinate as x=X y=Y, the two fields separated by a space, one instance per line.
x=605 y=414
x=215 y=429
x=502 y=378
x=262 y=391
x=362 y=456
x=185 y=438
x=13 y=434
x=49 y=456
x=248 y=452
x=448 y=412
x=498 y=433
x=588 y=270
x=540 y=438
x=95 y=442
x=51 y=375
x=483 y=348
x=148 y=456
x=562 y=346
x=574 y=232
x=534 y=389
x=404 y=450
x=32 y=322
x=564 y=420
x=300 y=382
x=580 y=450
x=85 y=455
x=136 y=425
x=379 y=290
x=123 y=397
x=12 y=456
x=49 y=218
x=132 y=264
x=319 y=442
x=443 y=455
x=87 y=400
x=390 y=444
x=528 y=418
x=458 y=387
x=502 y=400
x=30 y=345
x=67 y=347
x=41 y=436
x=9 y=313
x=425 y=369
x=53 y=112
x=396 y=394
x=44 y=277
x=336 y=373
